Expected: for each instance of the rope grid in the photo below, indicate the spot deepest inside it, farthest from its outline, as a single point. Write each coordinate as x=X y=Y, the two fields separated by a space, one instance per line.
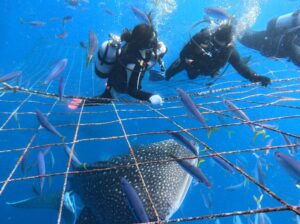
x=282 y=95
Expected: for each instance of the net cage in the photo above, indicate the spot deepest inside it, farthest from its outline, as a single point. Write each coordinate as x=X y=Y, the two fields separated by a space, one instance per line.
x=100 y=132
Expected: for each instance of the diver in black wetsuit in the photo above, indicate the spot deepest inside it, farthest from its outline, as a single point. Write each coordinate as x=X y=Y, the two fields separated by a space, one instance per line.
x=131 y=64
x=281 y=39
x=207 y=52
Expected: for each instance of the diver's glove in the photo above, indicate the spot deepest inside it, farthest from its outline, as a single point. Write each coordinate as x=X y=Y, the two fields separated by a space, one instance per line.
x=161 y=51
x=264 y=80
x=156 y=99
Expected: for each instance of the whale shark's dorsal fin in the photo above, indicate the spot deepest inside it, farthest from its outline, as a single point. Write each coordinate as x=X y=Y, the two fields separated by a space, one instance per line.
x=86 y=217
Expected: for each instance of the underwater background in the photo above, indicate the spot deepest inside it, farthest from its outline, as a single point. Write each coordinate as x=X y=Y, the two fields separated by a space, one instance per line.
x=96 y=131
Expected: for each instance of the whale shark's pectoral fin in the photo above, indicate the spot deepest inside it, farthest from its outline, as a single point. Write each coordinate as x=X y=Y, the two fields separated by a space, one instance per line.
x=86 y=217
x=50 y=201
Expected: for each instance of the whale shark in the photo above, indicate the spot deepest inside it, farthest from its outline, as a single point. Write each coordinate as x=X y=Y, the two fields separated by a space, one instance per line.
x=99 y=186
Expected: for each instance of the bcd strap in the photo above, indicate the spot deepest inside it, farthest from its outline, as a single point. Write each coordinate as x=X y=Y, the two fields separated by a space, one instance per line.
x=103 y=59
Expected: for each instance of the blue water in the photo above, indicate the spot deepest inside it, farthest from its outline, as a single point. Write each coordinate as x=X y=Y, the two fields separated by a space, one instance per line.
x=33 y=50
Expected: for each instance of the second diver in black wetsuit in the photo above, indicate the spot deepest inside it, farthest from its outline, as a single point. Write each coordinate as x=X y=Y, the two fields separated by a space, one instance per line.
x=281 y=39
x=126 y=75
x=207 y=52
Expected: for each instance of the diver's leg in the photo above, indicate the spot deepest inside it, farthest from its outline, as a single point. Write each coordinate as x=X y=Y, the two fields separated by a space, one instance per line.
x=296 y=60
x=254 y=40
x=295 y=21
x=271 y=27
x=175 y=68
x=295 y=51
x=192 y=73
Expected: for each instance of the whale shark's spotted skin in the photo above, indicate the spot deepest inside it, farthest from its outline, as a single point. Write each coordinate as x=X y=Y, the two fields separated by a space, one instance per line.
x=166 y=182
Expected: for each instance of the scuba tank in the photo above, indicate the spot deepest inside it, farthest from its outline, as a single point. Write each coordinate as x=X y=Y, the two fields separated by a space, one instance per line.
x=285 y=22
x=107 y=56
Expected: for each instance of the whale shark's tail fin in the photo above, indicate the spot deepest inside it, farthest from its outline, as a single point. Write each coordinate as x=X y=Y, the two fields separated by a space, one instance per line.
x=48 y=201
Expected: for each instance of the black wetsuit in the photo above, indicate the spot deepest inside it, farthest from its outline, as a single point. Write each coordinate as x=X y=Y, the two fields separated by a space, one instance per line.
x=202 y=56
x=275 y=42
x=119 y=81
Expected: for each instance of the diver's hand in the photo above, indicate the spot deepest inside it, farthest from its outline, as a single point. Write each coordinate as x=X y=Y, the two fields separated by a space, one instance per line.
x=264 y=80
x=156 y=99
x=161 y=49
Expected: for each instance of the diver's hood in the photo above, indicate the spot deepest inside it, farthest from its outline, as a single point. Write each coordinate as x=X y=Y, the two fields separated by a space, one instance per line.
x=144 y=37
x=224 y=34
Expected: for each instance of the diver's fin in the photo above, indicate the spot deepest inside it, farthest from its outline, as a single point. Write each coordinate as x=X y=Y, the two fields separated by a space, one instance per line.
x=50 y=201
x=86 y=217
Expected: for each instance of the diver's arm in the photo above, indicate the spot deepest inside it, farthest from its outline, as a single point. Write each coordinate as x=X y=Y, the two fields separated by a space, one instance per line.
x=236 y=61
x=135 y=74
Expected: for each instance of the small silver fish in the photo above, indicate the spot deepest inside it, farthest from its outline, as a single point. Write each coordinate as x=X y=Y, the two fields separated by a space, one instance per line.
x=57 y=70
x=134 y=201
x=191 y=108
x=289 y=143
x=43 y=120
x=42 y=166
x=61 y=88
x=218 y=13
x=62 y=35
x=193 y=147
x=93 y=45
x=35 y=23
x=140 y=14
x=10 y=76
x=234 y=109
x=193 y=171
x=75 y=160
x=235 y=187
x=290 y=164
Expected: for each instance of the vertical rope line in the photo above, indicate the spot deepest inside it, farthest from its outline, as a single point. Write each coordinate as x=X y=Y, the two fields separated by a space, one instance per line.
x=68 y=167
x=23 y=102
x=70 y=70
x=267 y=190
x=30 y=142
x=15 y=111
x=24 y=152
x=80 y=76
x=136 y=163
x=93 y=81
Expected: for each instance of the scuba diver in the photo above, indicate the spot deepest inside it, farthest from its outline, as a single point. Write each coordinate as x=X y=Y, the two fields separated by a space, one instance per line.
x=208 y=51
x=281 y=39
x=125 y=66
